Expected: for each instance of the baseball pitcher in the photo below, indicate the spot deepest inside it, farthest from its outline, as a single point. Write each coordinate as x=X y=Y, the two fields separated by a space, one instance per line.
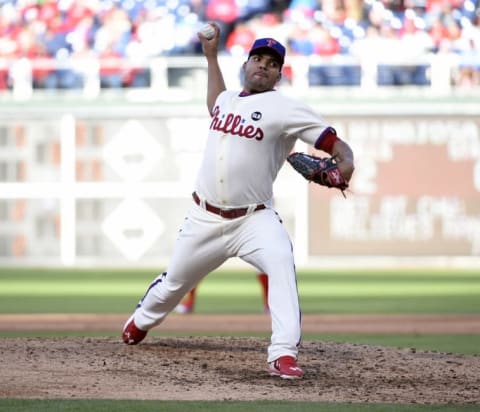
x=251 y=134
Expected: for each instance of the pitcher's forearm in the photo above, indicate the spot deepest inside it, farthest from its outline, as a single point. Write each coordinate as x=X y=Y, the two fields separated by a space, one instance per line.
x=215 y=84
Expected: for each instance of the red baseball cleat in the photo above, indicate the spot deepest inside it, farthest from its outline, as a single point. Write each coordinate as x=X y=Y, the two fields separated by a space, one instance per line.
x=131 y=335
x=286 y=367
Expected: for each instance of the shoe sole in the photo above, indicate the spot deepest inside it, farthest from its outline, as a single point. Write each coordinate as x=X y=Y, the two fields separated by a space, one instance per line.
x=275 y=373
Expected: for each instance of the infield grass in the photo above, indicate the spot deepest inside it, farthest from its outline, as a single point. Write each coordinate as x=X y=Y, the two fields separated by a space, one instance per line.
x=354 y=291
x=19 y=405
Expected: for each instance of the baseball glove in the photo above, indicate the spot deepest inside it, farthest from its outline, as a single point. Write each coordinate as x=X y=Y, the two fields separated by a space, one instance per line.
x=323 y=171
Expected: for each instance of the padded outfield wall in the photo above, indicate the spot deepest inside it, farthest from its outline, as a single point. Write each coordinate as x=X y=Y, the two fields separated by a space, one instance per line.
x=108 y=184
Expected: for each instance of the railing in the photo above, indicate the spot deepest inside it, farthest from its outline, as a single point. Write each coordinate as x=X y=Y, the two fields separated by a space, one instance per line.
x=186 y=76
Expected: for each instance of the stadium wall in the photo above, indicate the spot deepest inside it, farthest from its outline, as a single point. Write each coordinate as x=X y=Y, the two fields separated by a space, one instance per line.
x=107 y=183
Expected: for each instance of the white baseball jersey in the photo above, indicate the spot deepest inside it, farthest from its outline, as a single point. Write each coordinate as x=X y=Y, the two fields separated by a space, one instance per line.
x=250 y=137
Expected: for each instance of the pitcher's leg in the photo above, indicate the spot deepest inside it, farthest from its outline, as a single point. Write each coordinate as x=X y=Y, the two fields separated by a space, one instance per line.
x=267 y=246
x=283 y=303
x=198 y=251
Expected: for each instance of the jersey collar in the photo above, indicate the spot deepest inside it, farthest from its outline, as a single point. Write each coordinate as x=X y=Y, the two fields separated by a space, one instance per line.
x=243 y=93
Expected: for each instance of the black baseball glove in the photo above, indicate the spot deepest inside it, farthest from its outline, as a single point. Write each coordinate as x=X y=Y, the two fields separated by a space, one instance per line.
x=323 y=171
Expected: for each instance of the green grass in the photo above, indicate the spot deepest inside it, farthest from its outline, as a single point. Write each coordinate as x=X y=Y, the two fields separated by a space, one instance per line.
x=118 y=291
x=225 y=406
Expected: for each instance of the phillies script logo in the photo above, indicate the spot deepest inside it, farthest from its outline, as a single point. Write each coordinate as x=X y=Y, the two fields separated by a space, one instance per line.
x=234 y=125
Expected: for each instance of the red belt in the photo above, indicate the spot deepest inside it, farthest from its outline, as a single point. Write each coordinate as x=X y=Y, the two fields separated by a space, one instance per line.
x=226 y=213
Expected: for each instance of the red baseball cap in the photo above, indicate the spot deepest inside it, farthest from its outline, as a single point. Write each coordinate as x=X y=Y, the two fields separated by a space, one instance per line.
x=269 y=45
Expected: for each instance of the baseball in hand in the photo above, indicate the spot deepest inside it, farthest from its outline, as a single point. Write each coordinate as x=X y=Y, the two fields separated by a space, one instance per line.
x=208 y=31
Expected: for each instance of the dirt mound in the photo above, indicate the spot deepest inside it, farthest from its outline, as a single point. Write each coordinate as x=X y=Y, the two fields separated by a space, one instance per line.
x=227 y=368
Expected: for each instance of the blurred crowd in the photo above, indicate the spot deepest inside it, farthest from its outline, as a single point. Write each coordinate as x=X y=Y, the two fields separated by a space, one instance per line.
x=114 y=31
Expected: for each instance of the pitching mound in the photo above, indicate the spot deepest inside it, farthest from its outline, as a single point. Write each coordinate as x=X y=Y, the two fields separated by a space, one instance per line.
x=226 y=368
